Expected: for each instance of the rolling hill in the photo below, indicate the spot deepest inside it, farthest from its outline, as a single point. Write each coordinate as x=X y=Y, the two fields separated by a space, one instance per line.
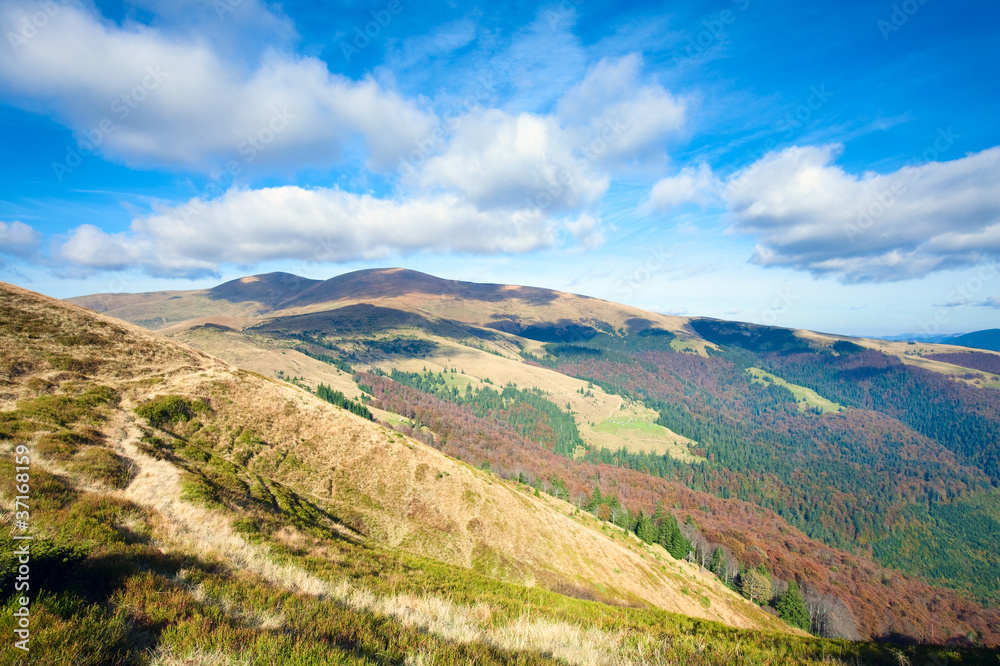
x=865 y=470
x=183 y=508
x=988 y=339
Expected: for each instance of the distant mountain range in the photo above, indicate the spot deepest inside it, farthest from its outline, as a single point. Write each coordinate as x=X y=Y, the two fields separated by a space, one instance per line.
x=988 y=339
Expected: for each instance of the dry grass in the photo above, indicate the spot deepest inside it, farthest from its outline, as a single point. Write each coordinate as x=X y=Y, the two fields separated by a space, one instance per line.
x=267 y=357
x=407 y=495
x=402 y=493
x=399 y=492
x=188 y=528
x=166 y=657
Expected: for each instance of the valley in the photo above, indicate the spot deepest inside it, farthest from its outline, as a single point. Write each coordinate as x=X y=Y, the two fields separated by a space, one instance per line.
x=720 y=422
x=595 y=495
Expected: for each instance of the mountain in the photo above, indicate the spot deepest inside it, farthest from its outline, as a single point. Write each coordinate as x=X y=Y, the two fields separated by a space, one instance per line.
x=181 y=506
x=865 y=470
x=988 y=339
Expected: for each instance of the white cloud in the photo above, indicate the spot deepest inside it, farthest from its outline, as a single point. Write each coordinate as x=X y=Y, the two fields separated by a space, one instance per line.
x=18 y=239
x=677 y=310
x=991 y=302
x=698 y=185
x=812 y=215
x=809 y=214
x=586 y=231
x=499 y=160
x=324 y=225
x=560 y=162
x=176 y=101
x=612 y=96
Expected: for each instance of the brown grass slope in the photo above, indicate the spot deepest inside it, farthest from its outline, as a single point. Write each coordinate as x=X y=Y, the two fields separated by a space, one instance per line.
x=393 y=490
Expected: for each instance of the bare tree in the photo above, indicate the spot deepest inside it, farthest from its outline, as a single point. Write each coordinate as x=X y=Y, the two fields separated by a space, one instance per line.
x=732 y=566
x=778 y=588
x=755 y=586
x=829 y=616
x=702 y=547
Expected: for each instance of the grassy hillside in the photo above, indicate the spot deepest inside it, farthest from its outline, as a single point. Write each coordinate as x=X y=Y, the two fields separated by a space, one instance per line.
x=184 y=509
x=798 y=452
x=804 y=398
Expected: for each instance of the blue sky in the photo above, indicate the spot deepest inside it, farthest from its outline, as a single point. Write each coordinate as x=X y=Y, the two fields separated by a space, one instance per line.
x=832 y=166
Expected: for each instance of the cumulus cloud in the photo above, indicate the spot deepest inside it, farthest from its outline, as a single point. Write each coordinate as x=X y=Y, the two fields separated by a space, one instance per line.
x=586 y=230
x=323 y=225
x=693 y=184
x=145 y=97
x=18 y=239
x=496 y=159
x=678 y=311
x=559 y=162
x=809 y=214
x=612 y=95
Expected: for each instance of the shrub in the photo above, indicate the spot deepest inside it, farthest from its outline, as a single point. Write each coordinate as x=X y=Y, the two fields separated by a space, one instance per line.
x=103 y=465
x=51 y=562
x=170 y=409
x=66 y=409
x=70 y=364
x=62 y=445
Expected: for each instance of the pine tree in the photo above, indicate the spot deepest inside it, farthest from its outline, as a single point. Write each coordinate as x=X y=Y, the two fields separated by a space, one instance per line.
x=718 y=564
x=645 y=529
x=595 y=500
x=792 y=608
x=671 y=539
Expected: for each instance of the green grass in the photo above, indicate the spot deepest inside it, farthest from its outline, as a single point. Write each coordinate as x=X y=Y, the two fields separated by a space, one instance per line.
x=639 y=434
x=119 y=599
x=805 y=398
x=683 y=345
x=623 y=427
x=459 y=380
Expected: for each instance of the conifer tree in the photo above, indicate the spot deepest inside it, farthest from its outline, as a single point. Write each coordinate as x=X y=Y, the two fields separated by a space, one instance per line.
x=595 y=499
x=645 y=529
x=718 y=564
x=791 y=607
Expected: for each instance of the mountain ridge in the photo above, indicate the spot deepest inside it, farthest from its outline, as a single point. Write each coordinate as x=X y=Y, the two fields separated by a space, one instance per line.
x=388 y=321
x=213 y=444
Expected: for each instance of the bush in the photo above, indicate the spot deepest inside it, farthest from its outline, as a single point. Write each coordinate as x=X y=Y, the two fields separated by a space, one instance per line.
x=103 y=465
x=66 y=409
x=51 y=563
x=62 y=445
x=170 y=409
x=153 y=446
